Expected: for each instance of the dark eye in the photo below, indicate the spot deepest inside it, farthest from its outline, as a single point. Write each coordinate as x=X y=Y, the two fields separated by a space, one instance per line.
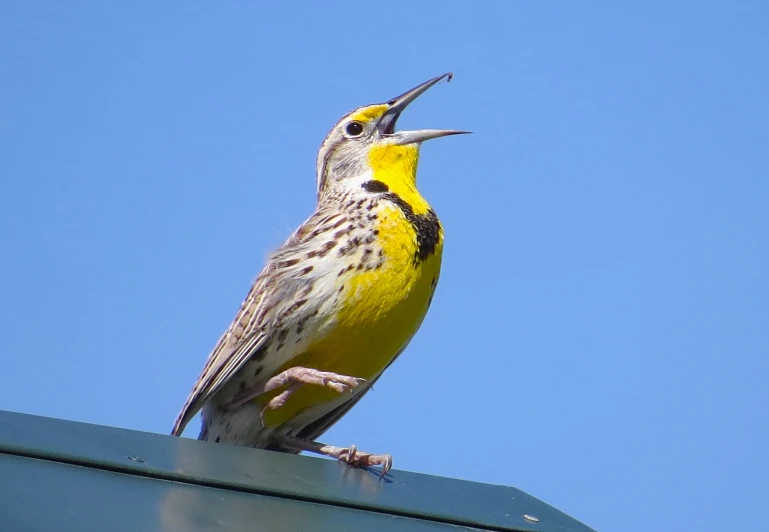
x=354 y=129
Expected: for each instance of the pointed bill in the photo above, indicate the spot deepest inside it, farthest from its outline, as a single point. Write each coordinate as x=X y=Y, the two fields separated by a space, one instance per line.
x=386 y=124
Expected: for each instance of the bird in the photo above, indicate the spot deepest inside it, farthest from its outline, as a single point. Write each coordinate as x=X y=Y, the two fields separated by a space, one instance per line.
x=337 y=303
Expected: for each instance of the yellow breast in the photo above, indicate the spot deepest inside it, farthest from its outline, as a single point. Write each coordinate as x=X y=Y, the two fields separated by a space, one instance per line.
x=380 y=309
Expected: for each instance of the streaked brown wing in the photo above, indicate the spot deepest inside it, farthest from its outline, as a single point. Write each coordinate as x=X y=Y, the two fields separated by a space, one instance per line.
x=267 y=307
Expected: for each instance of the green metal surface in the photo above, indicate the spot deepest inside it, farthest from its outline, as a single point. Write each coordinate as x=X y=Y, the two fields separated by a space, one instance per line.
x=62 y=475
x=49 y=496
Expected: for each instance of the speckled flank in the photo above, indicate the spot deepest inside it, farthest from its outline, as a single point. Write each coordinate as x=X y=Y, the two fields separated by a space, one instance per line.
x=389 y=263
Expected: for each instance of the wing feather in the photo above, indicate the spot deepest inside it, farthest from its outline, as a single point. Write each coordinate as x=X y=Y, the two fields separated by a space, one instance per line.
x=269 y=303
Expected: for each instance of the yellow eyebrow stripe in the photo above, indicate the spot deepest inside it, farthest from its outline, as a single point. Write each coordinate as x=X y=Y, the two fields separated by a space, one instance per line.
x=369 y=113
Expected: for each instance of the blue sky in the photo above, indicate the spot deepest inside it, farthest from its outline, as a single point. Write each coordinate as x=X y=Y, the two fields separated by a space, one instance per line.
x=599 y=337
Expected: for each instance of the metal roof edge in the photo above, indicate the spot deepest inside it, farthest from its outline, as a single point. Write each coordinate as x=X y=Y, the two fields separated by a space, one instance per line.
x=287 y=476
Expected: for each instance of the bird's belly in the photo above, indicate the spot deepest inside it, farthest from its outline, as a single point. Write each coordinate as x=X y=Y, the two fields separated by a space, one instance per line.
x=382 y=311
x=379 y=310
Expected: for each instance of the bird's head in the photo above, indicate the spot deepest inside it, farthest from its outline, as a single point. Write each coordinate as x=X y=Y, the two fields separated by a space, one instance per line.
x=365 y=143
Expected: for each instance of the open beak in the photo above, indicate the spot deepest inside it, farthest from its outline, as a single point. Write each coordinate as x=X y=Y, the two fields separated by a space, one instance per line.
x=386 y=124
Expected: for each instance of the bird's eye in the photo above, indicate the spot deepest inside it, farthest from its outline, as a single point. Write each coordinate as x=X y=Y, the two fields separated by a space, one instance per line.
x=354 y=129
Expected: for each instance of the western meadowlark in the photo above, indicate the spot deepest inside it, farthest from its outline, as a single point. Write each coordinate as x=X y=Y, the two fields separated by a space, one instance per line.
x=337 y=303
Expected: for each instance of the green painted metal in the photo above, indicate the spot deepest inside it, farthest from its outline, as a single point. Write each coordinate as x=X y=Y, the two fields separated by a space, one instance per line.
x=62 y=475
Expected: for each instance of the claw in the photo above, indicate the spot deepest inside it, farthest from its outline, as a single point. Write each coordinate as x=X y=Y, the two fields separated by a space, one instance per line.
x=349 y=455
x=295 y=377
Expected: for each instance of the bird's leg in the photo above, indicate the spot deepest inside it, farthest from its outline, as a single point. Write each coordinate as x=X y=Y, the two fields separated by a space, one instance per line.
x=294 y=377
x=349 y=455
